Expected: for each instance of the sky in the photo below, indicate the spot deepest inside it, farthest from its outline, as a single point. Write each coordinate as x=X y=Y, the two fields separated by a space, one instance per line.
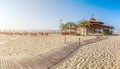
x=46 y=14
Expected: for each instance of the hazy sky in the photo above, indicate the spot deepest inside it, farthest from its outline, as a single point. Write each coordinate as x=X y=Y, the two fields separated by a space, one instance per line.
x=46 y=14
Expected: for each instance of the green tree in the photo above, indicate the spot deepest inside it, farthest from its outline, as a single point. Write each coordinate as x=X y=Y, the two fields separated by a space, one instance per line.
x=71 y=26
x=85 y=24
x=63 y=27
x=67 y=26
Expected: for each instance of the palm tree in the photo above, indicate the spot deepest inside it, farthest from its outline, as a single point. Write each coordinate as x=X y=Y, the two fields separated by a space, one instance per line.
x=68 y=26
x=63 y=27
x=85 y=24
x=71 y=26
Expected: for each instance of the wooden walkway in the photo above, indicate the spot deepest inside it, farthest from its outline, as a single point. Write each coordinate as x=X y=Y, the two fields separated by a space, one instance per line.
x=41 y=61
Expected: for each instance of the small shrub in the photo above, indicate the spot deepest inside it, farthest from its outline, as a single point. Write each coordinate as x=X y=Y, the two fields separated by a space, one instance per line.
x=104 y=33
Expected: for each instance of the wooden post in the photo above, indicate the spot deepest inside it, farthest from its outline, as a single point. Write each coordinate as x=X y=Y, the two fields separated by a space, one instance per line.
x=65 y=39
x=107 y=37
x=79 y=41
x=48 y=67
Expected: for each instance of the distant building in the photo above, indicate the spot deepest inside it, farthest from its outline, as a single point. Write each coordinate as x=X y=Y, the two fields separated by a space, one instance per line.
x=95 y=27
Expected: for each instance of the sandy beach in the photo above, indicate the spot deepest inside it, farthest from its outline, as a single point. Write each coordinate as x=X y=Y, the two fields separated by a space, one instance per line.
x=59 y=34
x=38 y=52
x=30 y=52
x=18 y=45
x=101 y=55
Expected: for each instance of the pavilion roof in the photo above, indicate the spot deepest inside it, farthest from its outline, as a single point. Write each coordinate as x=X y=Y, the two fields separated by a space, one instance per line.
x=102 y=25
x=93 y=20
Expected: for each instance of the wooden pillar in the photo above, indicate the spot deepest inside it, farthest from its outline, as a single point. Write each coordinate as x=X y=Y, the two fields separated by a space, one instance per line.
x=79 y=41
x=65 y=39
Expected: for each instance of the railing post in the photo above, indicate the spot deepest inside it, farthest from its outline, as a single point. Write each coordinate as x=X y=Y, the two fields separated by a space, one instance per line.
x=48 y=67
x=79 y=41
x=107 y=37
x=65 y=39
